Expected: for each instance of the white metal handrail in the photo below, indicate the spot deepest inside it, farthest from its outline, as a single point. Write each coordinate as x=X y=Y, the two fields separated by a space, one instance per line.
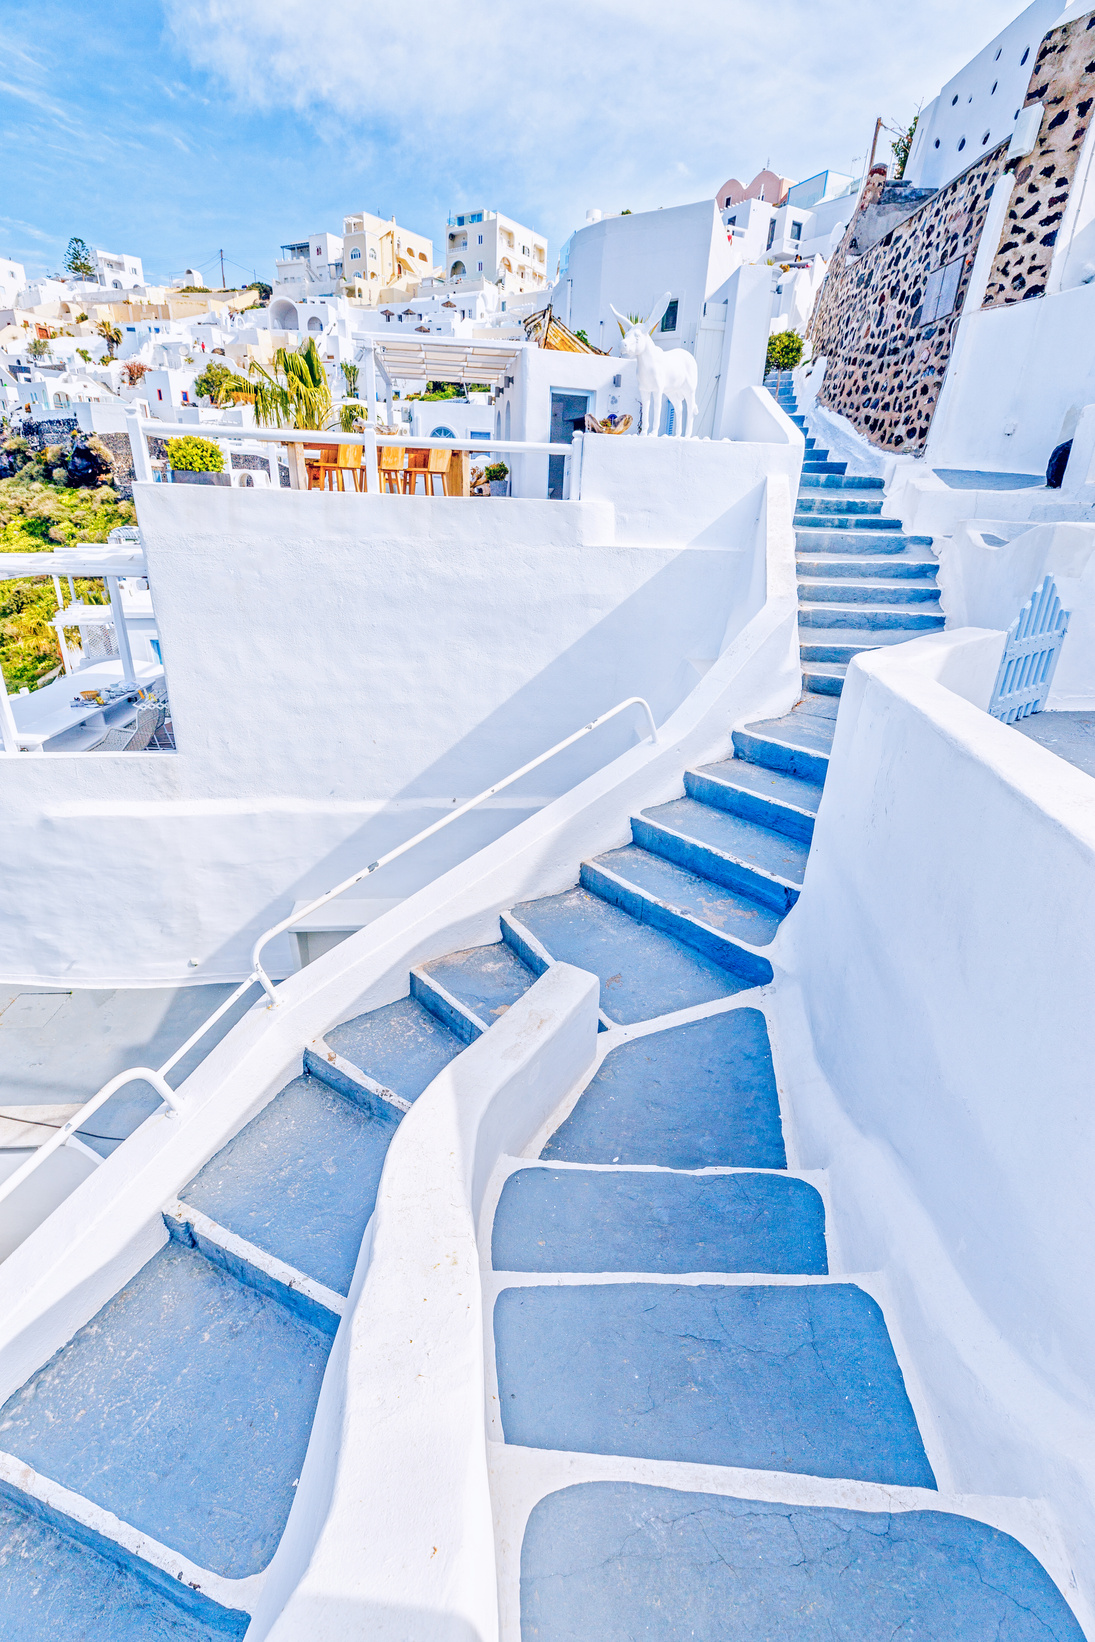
x=158 y=1078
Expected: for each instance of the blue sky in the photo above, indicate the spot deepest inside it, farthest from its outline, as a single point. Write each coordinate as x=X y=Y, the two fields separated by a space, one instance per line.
x=173 y=128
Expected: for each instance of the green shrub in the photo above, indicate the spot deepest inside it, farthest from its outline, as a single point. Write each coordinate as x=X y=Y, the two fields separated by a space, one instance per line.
x=784 y=351
x=495 y=470
x=193 y=455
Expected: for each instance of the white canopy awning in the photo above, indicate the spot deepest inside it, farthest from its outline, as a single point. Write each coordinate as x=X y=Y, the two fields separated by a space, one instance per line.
x=445 y=359
x=87 y=559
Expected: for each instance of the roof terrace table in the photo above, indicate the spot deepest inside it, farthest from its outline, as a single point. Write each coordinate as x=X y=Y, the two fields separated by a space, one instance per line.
x=46 y=712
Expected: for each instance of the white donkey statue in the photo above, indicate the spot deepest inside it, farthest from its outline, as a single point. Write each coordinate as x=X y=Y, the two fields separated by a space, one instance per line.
x=663 y=372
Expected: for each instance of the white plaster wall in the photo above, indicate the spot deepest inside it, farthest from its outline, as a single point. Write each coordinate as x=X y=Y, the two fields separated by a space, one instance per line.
x=987 y=583
x=944 y=945
x=968 y=106
x=343 y=669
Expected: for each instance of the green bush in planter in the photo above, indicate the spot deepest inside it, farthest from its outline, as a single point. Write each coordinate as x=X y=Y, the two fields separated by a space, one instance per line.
x=193 y=455
x=496 y=471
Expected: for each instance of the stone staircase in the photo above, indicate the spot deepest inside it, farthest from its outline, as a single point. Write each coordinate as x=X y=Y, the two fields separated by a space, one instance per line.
x=661 y=1298
x=862 y=582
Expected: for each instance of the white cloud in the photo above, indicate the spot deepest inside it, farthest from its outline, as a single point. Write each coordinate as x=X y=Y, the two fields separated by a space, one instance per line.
x=587 y=101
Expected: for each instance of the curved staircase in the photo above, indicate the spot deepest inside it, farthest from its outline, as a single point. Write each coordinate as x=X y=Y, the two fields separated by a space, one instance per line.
x=723 y=1436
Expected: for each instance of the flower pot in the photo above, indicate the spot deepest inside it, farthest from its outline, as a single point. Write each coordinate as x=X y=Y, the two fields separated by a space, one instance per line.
x=499 y=487
x=183 y=476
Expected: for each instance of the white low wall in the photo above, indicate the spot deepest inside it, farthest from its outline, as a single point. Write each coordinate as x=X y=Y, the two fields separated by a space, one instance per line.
x=343 y=669
x=944 y=945
x=987 y=583
x=392 y=1531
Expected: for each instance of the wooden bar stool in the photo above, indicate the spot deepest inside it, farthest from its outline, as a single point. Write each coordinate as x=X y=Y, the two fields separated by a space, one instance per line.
x=417 y=463
x=438 y=468
x=391 y=462
x=319 y=463
x=350 y=461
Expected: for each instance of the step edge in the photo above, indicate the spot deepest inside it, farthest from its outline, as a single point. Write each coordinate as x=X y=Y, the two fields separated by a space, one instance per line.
x=778 y=741
x=735 y=942
x=220 y=1601
x=774 y=878
x=460 y=1020
x=531 y=951
x=700 y=774
x=264 y=1272
x=321 y=1061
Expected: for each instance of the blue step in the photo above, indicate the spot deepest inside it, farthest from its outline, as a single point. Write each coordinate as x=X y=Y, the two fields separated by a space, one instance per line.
x=828 y=566
x=838 y=644
x=807 y=520
x=906 y=617
x=625 y=1560
x=844 y=501
x=58 y=1583
x=402 y=1046
x=782 y=802
x=643 y=973
x=697 y=1096
x=799 y=1377
x=581 y=1220
x=847 y=481
x=720 y=923
x=730 y=849
x=184 y=1407
x=300 y=1180
x=858 y=541
x=811 y=468
x=795 y=744
x=485 y=979
x=824 y=678
x=867 y=590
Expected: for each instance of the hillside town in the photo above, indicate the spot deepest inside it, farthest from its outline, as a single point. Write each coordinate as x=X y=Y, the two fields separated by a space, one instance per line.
x=547 y=822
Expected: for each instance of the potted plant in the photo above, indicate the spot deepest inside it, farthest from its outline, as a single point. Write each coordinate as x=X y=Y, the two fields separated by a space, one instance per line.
x=497 y=476
x=195 y=461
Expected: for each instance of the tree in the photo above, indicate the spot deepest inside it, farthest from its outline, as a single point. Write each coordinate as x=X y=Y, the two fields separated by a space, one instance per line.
x=784 y=351
x=84 y=355
x=39 y=348
x=78 y=260
x=349 y=376
x=902 y=145
x=110 y=334
x=295 y=393
x=134 y=371
x=265 y=291
x=218 y=384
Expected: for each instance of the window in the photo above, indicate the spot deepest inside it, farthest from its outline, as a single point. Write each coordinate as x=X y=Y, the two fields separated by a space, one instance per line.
x=480 y=267
x=796 y=230
x=1024 y=57
x=319 y=253
x=442 y=433
x=355 y=255
x=159 y=393
x=669 y=318
x=771 y=234
x=961 y=145
x=185 y=397
x=476 y=216
x=730 y=221
x=480 y=239
x=940 y=292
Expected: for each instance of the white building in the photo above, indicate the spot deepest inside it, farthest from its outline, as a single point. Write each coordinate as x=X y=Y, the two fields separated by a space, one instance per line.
x=978 y=107
x=13 y=278
x=316 y=261
x=805 y=220
x=497 y=248
x=377 y=252
x=118 y=273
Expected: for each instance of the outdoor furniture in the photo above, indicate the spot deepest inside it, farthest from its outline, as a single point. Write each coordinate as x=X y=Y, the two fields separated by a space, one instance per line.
x=319 y=463
x=133 y=738
x=350 y=462
x=391 y=462
x=417 y=463
x=438 y=467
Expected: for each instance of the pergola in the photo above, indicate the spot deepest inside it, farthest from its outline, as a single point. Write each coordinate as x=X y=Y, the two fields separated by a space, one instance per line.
x=436 y=359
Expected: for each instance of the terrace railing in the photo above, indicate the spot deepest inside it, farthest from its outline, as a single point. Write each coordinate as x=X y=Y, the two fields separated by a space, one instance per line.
x=68 y=1133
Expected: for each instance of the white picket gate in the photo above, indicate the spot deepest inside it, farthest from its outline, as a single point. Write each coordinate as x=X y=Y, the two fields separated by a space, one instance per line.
x=1030 y=655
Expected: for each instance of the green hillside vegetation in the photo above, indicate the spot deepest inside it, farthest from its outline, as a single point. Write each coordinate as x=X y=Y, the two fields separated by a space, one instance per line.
x=35 y=515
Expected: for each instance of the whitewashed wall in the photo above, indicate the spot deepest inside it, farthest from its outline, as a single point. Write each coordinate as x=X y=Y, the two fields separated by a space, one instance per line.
x=343 y=669
x=944 y=945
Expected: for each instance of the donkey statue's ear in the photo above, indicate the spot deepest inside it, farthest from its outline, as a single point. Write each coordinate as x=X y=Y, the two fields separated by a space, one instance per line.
x=658 y=312
x=623 y=322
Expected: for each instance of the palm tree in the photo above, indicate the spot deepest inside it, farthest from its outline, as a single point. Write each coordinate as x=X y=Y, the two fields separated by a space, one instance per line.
x=295 y=394
x=110 y=334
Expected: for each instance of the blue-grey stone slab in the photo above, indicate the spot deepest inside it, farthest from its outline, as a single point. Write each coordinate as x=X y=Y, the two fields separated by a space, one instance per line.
x=300 y=1180
x=401 y=1045
x=725 y=910
x=55 y=1589
x=736 y=836
x=979 y=479
x=691 y=1097
x=798 y=1377
x=611 y=1220
x=643 y=973
x=624 y=1562
x=184 y=1407
x=1070 y=735
x=485 y=979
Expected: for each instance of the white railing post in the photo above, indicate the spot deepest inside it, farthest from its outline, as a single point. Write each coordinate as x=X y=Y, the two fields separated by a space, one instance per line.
x=121 y=631
x=142 y=467
x=9 y=735
x=369 y=462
